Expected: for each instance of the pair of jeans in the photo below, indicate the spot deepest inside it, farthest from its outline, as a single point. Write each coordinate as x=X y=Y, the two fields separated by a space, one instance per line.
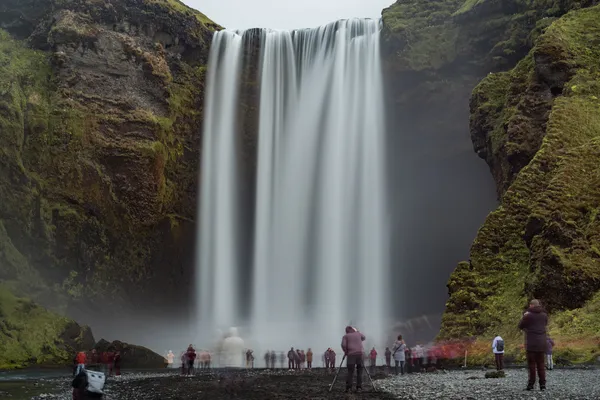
x=535 y=360
x=549 y=361
x=80 y=367
x=499 y=361
x=354 y=362
x=401 y=363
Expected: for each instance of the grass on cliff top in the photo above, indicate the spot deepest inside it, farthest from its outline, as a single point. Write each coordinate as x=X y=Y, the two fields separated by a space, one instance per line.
x=180 y=7
x=29 y=334
x=418 y=14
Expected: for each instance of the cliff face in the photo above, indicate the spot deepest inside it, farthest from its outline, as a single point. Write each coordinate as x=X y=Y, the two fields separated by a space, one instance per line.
x=534 y=119
x=543 y=117
x=100 y=120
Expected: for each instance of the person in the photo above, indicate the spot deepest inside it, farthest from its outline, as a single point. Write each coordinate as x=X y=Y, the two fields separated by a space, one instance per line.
x=399 y=355
x=95 y=358
x=281 y=359
x=267 y=358
x=420 y=356
x=250 y=358
x=388 y=357
x=183 y=363
x=534 y=323
x=79 y=385
x=408 y=357
x=205 y=359
x=110 y=362
x=302 y=359
x=117 y=364
x=297 y=359
x=373 y=358
x=273 y=357
x=332 y=359
x=291 y=355
x=549 y=348
x=498 y=349
x=352 y=345
x=170 y=359
x=191 y=358
x=326 y=358
x=309 y=358
x=80 y=359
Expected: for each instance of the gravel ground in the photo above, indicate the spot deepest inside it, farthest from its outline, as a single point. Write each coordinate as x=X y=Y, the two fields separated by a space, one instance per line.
x=571 y=384
x=226 y=385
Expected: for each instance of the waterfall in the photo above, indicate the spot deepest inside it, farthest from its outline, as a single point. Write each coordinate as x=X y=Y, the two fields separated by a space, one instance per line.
x=319 y=254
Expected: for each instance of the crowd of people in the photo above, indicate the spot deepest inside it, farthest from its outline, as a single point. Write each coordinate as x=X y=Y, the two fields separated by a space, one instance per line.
x=108 y=362
x=420 y=358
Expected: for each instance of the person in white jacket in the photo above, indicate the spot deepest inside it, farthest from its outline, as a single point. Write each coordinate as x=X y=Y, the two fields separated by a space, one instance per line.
x=498 y=349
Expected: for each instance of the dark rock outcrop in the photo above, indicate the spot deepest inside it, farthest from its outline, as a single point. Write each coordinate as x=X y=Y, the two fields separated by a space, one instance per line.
x=132 y=356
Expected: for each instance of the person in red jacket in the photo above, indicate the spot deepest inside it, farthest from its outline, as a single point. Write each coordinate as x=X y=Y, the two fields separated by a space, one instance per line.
x=373 y=358
x=80 y=359
x=191 y=357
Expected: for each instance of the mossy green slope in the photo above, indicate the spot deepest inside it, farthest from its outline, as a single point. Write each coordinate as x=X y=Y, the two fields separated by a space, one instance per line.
x=543 y=119
x=31 y=335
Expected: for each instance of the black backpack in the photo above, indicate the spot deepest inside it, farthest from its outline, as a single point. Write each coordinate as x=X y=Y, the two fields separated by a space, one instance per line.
x=500 y=345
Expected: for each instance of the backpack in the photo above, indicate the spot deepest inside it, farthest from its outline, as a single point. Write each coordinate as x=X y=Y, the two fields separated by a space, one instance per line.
x=500 y=345
x=95 y=381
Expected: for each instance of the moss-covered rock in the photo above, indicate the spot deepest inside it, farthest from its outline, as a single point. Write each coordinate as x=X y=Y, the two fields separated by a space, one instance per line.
x=31 y=335
x=488 y=34
x=538 y=126
x=100 y=120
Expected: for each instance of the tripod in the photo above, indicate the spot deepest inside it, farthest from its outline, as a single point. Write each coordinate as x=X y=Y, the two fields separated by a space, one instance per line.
x=340 y=368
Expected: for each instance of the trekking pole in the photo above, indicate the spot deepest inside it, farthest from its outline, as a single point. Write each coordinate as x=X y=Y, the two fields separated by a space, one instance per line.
x=371 y=379
x=338 y=372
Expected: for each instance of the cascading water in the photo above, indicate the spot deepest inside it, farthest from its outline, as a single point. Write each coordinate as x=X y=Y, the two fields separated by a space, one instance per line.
x=319 y=246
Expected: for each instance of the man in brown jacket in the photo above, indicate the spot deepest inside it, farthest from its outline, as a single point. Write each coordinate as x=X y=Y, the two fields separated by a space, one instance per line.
x=534 y=324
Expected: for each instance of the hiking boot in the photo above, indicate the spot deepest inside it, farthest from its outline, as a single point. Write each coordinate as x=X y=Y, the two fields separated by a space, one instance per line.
x=529 y=387
x=348 y=389
x=358 y=389
x=542 y=387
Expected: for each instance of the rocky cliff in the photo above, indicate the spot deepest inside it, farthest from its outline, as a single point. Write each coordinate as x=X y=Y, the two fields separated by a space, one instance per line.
x=100 y=119
x=534 y=119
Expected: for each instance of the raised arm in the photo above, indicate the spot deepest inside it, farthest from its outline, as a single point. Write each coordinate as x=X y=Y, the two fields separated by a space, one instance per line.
x=524 y=321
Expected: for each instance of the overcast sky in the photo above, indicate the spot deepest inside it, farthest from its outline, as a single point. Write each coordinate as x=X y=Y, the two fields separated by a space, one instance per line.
x=285 y=14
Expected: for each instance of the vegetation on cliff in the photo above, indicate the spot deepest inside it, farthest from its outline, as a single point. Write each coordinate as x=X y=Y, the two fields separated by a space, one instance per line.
x=100 y=117
x=486 y=34
x=31 y=335
x=538 y=126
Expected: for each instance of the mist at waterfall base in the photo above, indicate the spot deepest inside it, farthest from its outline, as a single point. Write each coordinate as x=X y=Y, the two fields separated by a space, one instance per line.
x=317 y=233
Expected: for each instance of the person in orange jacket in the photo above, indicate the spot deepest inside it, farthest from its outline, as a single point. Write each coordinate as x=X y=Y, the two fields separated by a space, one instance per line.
x=309 y=358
